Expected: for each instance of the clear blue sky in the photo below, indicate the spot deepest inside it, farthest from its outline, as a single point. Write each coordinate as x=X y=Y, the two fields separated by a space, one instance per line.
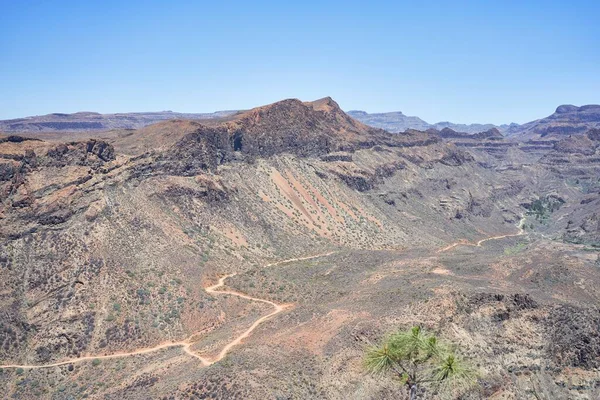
x=479 y=61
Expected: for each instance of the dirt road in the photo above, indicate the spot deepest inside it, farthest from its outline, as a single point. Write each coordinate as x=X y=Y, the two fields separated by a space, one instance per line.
x=187 y=343
x=479 y=243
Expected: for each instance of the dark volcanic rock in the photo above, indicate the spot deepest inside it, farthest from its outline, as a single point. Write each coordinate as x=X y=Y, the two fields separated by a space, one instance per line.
x=515 y=301
x=574 y=337
x=313 y=129
x=202 y=150
x=576 y=144
x=490 y=134
x=92 y=153
x=594 y=134
x=7 y=172
x=15 y=139
x=455 y=158
x=101 y=149
x=337 y=157
x=362 y=183
x=212 y=193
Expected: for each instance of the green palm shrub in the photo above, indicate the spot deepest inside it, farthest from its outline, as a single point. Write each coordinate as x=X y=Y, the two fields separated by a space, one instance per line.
x=418 y=359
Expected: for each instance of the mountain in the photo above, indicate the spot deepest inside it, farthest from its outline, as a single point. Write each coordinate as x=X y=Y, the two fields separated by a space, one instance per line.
x=490 y=134
x=258 y=254
x=566 y=120
x=398 y=122
x=472 y=128
x=91 y=121
x=491 y=142
x=94 y=122
x=391 y=121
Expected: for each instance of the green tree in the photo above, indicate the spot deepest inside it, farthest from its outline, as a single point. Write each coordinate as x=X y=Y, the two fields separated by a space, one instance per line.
x=418 y=359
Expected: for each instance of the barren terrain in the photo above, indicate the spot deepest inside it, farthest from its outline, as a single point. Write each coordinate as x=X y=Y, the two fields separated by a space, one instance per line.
x=257 y=255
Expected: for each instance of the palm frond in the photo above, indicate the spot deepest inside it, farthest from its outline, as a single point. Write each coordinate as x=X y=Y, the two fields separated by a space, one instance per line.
x=453 y=372
x=379 y=360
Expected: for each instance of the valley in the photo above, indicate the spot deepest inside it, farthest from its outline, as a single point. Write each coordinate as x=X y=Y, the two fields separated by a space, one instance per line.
x=257 y=254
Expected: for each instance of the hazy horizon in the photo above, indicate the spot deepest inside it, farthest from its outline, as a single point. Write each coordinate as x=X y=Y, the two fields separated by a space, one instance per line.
x=464 y=63
x=258 y=105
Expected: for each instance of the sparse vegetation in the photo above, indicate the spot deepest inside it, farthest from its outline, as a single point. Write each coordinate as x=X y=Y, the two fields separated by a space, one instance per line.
x=517 y=248
x=136 y=280
x=542 y=208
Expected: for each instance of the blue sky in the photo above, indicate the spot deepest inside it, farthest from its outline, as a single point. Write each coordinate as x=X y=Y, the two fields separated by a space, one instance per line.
x=480 y=61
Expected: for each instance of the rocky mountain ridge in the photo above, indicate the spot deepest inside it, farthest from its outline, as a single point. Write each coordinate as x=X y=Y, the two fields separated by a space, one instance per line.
x=92 y=121
x=398 y=122
x=566 y=120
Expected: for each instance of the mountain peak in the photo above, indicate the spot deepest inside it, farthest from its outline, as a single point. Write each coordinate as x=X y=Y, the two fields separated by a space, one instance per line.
x=569 y=108
x=325 y=104
x=566 y=108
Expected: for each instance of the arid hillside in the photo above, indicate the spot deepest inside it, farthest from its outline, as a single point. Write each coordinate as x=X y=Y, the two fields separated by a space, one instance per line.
x=256 y=255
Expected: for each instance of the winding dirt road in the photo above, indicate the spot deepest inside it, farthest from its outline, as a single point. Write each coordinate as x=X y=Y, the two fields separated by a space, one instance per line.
x=187 y=343
x=479 y=243
x=277 y=308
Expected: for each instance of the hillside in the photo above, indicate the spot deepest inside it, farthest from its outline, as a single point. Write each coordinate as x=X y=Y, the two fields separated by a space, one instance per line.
x=257 y=254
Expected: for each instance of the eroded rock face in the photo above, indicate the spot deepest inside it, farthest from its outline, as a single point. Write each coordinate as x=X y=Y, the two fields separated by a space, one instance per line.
x=92 y=153
x=576 y=145
x=202 y=150
x=456 y=158
x=38 y=180
x=490 y=134
x=7 y=172
x=574 y=337
x=575 y=150
x=211 y=193
x=594 y=134
x=584 y=228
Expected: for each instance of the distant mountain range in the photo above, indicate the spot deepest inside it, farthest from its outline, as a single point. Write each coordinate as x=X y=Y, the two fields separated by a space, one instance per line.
x=92 y=121
x=396 y=121
x=566 y=120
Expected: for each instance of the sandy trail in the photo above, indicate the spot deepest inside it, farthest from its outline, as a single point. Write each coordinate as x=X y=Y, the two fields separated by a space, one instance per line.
x=479 y=243
x=187 y=343
x=277 y=308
